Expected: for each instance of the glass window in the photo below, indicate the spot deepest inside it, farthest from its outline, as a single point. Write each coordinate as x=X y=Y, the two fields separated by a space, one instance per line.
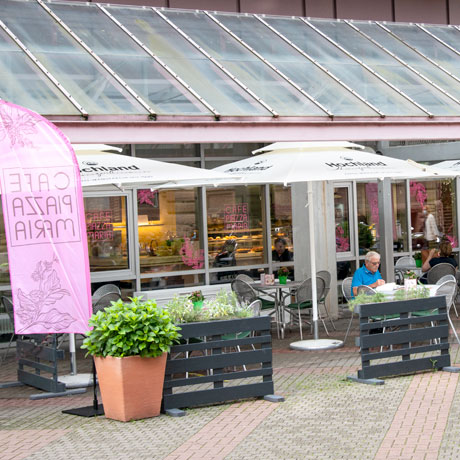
x=433 y=214
x=107 y=233
x=281 y=224
x=169 y=230
x=342 y=219
x=4 y=270
x=169 y=151
x=235 y=227
x=368 y=216
x=400 y=236
x=173 y=281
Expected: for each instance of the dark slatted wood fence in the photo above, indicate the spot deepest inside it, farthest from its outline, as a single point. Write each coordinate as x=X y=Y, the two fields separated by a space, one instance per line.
x=38 y=357
x=210 y=356
x=405 y=337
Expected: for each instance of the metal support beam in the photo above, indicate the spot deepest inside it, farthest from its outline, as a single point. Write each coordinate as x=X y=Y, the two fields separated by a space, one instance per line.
x=386 y=229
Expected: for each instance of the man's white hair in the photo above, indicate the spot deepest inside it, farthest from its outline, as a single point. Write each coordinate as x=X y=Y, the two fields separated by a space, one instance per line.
x=371 y=254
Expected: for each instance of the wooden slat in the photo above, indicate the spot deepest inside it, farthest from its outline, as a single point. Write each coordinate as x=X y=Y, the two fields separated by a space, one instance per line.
x=171 y=383
x=38 y=351
x=366 y=326
x=37 y=365
x=402 y=306
x=196 y=363
x=399 y=337
x=40 y=382
x=403 y=351
x=404 y=367
x=209 y=344
x=182 y=400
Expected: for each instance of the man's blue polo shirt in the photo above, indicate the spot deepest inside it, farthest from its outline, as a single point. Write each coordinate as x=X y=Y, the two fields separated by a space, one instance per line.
x=363 y=276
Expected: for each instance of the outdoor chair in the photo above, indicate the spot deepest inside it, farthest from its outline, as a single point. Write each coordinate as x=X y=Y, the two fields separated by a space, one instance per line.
x=104 y=296
x=402 y=265
x=246 y=294
x=449 y=289
x=303 y=300
x=244 y=277
x=347 y=294
x=327 y=281
x=8 y=306
x=438 y=271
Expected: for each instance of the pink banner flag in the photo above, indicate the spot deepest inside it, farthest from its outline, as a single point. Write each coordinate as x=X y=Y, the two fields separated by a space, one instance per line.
x=44 y=224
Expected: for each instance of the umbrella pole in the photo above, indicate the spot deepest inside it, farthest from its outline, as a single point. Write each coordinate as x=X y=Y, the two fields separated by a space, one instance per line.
x=316 y=343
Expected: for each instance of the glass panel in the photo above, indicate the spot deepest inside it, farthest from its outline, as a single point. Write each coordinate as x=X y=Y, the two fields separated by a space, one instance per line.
x=343 y=67
x=284 y=57
x=107 y=233
x=400 y=235
x=170 y=151
x=433 y=214
x=235 y=227
x=368 y=217
x=4 y=268
x=172 y=281
x=232 y=151
x=281 y=224
x=197 y=70
x=24 y=84
x=169 y=230
x=69 y=63
x=428 y=46
x=132 y=63
x=389 y=68
x=448 y=34
x=243 y=64
x=411 y=57
x=342 y=219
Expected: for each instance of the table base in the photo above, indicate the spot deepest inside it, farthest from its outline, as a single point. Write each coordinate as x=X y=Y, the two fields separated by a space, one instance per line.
x=318 y=344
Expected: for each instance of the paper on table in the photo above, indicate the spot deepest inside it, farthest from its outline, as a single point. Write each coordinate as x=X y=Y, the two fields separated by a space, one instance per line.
x=388 y=287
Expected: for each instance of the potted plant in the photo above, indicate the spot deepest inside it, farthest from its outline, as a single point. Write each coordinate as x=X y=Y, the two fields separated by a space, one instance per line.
x=129 y=342
x=197 y=299
x=410 y=279
x=418 y=259
x=283 y=273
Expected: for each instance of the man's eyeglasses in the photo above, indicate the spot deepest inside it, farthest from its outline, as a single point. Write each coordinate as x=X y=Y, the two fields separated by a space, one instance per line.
x=375 y=263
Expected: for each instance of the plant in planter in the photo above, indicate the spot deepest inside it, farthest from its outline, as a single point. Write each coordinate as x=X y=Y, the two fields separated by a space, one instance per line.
x=197 y=299
x=129 y=342
x=418 y=258
x=283 y=273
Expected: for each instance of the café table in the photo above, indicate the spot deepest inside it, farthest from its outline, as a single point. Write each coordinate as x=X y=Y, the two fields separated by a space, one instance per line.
x=277 y=292
x=390 y=289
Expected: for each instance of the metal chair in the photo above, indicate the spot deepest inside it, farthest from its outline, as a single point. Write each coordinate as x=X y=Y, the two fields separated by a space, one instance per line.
x=327 y=281
x=449 y=278
x=104 y=296
x=244 y=277
x=438 y=271
x=348 y=295
x=449 y=289
x=246 y=294
x=402 y=265
x=303 y=299
x=8 y=306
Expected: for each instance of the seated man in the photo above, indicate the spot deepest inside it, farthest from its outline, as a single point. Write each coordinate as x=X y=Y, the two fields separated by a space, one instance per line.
x=281 y=253
x=368 y=274
x=443 y=255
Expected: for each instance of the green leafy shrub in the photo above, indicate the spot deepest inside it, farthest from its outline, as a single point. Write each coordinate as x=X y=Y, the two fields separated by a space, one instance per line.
x=363 y=298
x=223 y=306
x=131 y=329
x=419 y=292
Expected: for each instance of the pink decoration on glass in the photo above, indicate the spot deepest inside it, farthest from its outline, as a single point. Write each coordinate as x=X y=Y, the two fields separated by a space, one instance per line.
x=191 y=256
x=452 y=240
x=373 y=200
x=342 y=242
x=418 y=190
x=45 y=225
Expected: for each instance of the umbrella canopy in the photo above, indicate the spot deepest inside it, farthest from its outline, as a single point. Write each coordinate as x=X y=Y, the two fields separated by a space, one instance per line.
x=452 y=166
x=99 y=167
x=290 y=162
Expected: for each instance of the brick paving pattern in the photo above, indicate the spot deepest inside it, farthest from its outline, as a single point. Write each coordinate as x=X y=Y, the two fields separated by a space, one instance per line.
x=324 y=417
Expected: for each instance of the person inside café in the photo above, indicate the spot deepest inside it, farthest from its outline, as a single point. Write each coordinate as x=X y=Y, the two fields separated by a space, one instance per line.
x=368 y=274
x=443 y=255
x=281 y=253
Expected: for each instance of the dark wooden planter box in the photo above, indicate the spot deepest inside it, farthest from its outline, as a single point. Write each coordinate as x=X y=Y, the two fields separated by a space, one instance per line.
x=405 y=338
x=210 y=359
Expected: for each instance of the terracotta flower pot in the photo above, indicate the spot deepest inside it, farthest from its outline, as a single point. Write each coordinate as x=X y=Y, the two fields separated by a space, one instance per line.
x=131 y=387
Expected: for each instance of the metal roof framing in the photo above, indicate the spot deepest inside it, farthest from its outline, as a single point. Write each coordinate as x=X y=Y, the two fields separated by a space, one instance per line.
x=401 y=61
x=269 y=64
x=44 y=70
x=160 y=62
x=98 y=59
x=217 y=63
x=363 y=64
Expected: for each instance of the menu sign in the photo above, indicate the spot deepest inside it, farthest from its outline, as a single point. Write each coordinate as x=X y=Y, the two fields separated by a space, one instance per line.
x=99 y=225
x=236 y=217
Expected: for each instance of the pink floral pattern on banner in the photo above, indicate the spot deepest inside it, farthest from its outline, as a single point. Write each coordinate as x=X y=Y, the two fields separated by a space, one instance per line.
x=44 y=224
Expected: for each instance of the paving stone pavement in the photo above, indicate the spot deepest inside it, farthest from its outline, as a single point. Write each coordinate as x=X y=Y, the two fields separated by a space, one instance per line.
x=324 y=416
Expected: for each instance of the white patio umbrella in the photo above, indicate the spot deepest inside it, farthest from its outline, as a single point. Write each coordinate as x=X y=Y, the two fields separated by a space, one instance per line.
x=451 y=165
x=100 y=167
x=290 y=162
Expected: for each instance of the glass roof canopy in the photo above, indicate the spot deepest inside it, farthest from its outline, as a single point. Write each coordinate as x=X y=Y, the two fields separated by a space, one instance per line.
x=99 y=60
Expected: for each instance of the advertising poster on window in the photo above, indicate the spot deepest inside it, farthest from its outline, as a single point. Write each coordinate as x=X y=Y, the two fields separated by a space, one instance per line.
x=44 y=225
